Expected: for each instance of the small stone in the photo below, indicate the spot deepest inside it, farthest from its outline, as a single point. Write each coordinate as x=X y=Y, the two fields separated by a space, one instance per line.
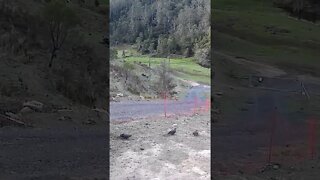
x=196 y=133
x=89 y=122
x=125 y=136
x=65 y=118
x=276 y=166
x=119 y=95
x=219 y=93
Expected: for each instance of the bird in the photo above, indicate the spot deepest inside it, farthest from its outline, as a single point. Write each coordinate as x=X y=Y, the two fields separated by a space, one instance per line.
x=196 y=133
x=172 y=131
x=125 y=136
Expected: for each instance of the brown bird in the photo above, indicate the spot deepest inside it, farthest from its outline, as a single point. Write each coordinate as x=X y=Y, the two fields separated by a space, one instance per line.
x=196 y=133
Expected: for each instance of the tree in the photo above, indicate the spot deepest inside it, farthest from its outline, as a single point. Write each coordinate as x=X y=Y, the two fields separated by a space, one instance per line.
x=96 y=3
x=166 y=84
x=113 y=54
x=172 y=25
x=60 y=19
x=128 y=67
x=298 y=6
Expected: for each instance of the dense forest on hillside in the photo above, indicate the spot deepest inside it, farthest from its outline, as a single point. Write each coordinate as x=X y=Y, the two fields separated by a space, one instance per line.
x=303 y=9
x=162 y=27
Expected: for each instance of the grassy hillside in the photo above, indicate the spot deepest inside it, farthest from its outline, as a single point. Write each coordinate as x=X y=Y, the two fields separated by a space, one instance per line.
x=258 y=31
x=186 y=68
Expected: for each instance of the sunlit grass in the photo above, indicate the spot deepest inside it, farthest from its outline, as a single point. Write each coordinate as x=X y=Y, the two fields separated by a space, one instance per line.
x=186 y=68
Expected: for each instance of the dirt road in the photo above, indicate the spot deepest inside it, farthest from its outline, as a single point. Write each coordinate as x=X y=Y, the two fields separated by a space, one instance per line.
x=268 y=122
x=62 y=153
x=195 y=97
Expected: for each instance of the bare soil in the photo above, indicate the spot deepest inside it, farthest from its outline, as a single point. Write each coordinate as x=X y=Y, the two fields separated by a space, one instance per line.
x=148 y=154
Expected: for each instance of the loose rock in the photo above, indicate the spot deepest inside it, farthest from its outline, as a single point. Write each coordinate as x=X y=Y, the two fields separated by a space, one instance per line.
x=35 y=105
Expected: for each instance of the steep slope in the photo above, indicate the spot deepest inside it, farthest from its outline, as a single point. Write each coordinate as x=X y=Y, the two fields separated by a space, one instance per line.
x=78 y=77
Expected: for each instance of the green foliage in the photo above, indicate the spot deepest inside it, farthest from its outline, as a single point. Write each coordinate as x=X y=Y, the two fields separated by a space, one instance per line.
x=203 y=57
x=167 y=27
x=186 y=68
x=165 y=82
x=128 y=66
x=113 y=54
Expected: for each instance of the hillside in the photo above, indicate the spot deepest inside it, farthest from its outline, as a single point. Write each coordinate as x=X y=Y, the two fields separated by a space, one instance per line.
x=155 y=27
x=259 y=31
x=78 y=76
x=263 y=58
x=155 y=44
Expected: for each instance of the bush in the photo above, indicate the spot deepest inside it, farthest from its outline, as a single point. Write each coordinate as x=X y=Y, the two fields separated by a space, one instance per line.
x=82 y=77
x=203 y=57
x=165 y=82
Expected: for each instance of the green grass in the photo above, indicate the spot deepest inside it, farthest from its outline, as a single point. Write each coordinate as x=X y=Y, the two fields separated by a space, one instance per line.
x=185 y=68
x=241 y=29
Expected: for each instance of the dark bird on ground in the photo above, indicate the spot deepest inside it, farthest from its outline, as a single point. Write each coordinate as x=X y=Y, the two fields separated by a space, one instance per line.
x=172 y=132
x=196 y=133
x=125 y=136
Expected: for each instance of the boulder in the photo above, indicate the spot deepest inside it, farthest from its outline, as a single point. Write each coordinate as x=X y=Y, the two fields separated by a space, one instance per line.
x=35 y=105
x=26 y=110
x=119 y=95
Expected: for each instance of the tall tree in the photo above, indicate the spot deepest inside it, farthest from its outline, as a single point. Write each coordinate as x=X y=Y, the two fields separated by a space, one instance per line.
x=60 y=20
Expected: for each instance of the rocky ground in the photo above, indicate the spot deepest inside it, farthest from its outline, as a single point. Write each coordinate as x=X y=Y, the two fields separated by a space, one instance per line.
x=149 y=154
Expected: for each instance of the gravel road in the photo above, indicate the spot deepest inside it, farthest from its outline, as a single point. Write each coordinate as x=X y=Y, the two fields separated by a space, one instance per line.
x=195 y=97
x=243 y=137
x=60 y=153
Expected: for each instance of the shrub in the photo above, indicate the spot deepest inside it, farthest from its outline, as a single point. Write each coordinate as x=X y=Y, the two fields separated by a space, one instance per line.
x=203 y=57
x=165 y=82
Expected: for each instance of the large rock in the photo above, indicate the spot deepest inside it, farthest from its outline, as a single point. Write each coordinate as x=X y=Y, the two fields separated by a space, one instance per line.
x=34 y=105
x=26 y=110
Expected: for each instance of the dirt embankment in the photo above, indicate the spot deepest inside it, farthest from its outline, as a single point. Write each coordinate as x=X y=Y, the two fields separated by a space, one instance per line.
x=60 y=103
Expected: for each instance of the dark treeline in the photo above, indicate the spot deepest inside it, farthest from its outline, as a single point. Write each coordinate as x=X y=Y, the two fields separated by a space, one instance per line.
x=303 y=9
x=162 y=26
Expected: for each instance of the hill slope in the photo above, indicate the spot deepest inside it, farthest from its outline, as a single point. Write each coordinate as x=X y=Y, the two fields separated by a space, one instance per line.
x=258 y=31
x=78 y=77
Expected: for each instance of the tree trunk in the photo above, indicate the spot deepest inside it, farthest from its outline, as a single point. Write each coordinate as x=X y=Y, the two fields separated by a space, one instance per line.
x=53 y=55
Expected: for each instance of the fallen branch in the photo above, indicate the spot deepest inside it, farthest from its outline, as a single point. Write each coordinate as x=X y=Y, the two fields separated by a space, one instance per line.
x=5 y=121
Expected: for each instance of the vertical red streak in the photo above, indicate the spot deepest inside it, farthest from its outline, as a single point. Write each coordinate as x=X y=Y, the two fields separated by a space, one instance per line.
x=273 y=127
x=311 y=137
x=165 y=104
x=195 y=104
